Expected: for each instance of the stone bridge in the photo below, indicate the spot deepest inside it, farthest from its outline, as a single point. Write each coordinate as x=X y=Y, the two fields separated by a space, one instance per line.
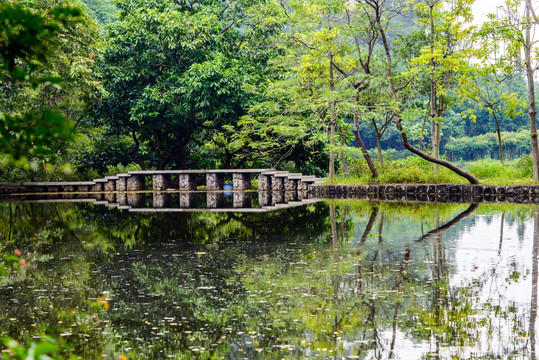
x=175 y=180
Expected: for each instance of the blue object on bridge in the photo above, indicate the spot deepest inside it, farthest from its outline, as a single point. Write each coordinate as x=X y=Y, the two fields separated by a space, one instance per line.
x=228 y=189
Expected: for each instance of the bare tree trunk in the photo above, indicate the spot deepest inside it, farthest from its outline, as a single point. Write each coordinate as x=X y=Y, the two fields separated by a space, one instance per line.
x=344 y=165
x=379 y=148
x=380 y=227
x=343 y=160
x=332 y=142
x=344 y=234
x=370 y=223
x=531 y=97
x=423 y=131
x=470 y=210
x=180 y=158
x=500 y=149
x=333 y=225
x=501 y=234
x=434 y=113
x=361 y=145
x=332 y=122
x=435 y=138
x=472 y=179
x=535 y=276
x=437 y=276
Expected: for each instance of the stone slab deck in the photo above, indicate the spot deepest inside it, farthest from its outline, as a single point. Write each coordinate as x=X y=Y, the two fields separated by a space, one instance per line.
x=176 y=210
x=45 y=201
x=210 y=171
x=61 y=183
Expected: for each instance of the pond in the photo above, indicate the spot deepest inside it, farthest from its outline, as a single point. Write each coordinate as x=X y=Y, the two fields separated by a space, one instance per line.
x=330 y=279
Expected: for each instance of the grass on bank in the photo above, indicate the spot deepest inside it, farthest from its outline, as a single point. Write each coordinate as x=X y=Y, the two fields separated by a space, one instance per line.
x=411 y=170
x=414 y=170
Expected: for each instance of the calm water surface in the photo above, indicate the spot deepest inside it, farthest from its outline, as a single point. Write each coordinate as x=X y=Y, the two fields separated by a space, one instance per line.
x=336 y=280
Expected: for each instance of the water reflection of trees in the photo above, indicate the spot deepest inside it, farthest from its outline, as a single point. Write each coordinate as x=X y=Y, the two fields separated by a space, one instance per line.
x=451 y=317
x=535 y=278
x=326 y=280
x=169 y=262
x=432 y=311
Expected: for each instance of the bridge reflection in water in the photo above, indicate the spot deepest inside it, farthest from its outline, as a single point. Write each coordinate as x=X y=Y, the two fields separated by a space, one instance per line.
x=180 y=201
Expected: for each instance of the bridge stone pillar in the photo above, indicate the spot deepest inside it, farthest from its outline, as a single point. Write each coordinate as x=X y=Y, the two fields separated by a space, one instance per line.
x=97 y=187
x=187 y=200
x=215 y=181
x=264 y=182
x=277 y=183
x=136 y=183
x=110 y=197
x=161 y=182
x=290 y=196
x=69 y=189
x=307 y=183
x=161 y=200
x=188 y=182
x=290 y=184
x=121 y=198
x=241 y=181
x=302 y=185
x=242 y=200
x=83 y=188
x=121 y=184
x=51 y=188
x=110 y=185
x=277 y=197
x=215 y=200
x=264 y=198
x=136 y=200
x=121 y=188
x=84 y=195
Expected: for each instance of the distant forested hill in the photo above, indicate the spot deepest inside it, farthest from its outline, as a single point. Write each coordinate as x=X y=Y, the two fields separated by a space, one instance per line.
x=103 y=11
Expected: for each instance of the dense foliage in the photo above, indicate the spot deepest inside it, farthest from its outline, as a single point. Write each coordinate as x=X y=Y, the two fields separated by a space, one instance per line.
x=88 y=86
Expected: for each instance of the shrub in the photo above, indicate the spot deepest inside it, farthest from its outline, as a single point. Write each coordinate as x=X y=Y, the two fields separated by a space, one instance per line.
x=525 y=165
x=121 y=169
x=492 y=172
x=410 y=170
x=486 y=168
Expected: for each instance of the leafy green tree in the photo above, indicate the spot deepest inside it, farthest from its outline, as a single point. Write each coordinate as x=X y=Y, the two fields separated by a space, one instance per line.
x=278 y=132
x=443 y=59
x=325 y=66
x=103 y=11
x=492 y=95
x=179 y=72
x=26 y=38
x=398 y=81
x=510 y=37
x=516 y=144
x=47 y=59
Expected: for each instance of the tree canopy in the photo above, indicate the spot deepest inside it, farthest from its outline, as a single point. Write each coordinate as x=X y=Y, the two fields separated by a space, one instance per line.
x=224 y=84
x=179 y=73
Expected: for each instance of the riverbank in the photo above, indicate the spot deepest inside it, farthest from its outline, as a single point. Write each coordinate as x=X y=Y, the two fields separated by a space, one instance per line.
x=414 y=170
x=454 y=193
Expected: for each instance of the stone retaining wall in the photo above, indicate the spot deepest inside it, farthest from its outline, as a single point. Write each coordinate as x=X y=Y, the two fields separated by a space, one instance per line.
x=524 y=194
